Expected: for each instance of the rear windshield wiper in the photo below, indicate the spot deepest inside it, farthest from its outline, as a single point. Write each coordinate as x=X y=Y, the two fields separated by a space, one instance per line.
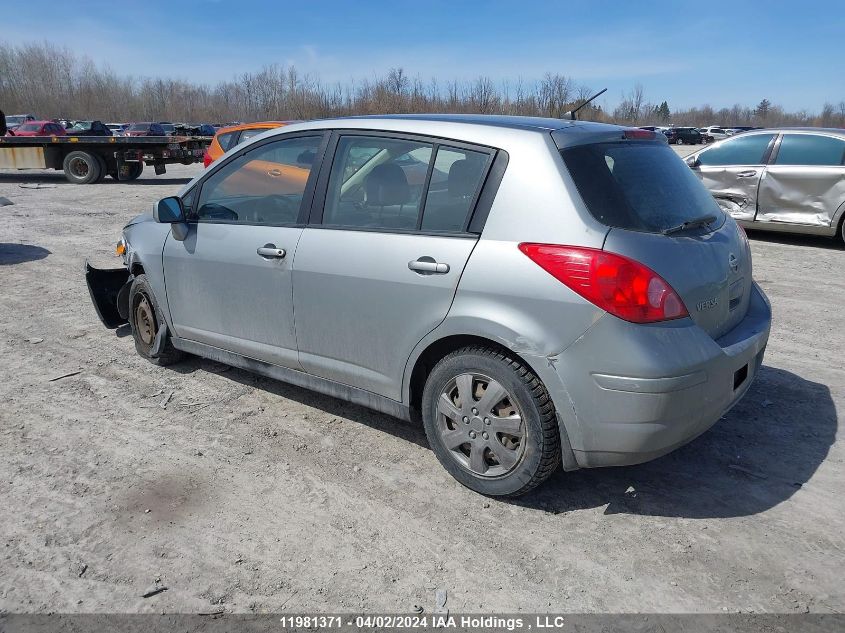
x=690 y=224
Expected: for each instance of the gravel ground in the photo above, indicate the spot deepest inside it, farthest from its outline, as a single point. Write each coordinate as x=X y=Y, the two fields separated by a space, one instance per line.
x=239 y=491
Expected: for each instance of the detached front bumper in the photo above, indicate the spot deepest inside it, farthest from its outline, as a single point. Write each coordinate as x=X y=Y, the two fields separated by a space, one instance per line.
x=109 y=290
x=629 y=393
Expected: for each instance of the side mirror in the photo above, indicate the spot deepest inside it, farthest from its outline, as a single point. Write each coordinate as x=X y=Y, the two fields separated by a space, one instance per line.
x=693 y=162
x=169 y=210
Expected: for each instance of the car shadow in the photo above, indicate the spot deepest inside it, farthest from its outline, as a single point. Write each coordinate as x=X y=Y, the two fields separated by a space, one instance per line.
x=795 y=239
x=379 y=421
x=11 y=254
x=756 y=457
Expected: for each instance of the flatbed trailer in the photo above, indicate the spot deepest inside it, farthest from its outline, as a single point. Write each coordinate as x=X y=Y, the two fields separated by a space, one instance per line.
x=89 y=159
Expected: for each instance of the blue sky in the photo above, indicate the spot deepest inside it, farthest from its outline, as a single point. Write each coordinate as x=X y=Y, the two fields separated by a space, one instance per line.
x=688 y=53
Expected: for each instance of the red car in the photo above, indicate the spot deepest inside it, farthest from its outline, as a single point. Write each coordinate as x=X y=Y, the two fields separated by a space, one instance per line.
x=145 y=129
x=40 y=128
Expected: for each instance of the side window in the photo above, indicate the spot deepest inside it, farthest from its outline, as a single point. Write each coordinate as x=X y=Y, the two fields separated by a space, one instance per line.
x=227 y=140
x=248 y=134
x=742 y=150
x=188 y=201
x=808 y=149
x=455 y=182
x=377 y=182
x=264 y=186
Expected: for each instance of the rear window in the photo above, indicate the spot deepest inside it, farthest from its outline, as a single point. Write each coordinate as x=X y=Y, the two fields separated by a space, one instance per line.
x=139 y=127
x=638 y=186
x=227 y=140
x=30 y=127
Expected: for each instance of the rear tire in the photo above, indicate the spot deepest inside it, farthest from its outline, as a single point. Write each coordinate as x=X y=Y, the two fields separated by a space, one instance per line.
x=500 y=443
x=81 y=168
x=104 y=170
x=144 y=318
x=135 y=171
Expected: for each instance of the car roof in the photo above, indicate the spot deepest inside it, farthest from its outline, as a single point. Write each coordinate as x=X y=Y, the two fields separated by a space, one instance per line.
x=824 y=130
x=484 y=129
x=495 y=120
x=257 y=125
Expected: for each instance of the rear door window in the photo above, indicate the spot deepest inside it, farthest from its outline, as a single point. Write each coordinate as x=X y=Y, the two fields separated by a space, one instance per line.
x=377 y=183
x=742 y=150
x=638 y=186
x=809 y=149
x=455 y=182
x=248 y=134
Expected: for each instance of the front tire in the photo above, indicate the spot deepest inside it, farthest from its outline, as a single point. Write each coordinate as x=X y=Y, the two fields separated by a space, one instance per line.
x=144 y=318
x=490 y=422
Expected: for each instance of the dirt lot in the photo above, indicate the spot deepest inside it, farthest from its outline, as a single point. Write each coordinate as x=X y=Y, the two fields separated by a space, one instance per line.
x=254 y=495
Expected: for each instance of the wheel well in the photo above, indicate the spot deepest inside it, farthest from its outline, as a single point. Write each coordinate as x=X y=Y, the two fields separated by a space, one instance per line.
x=136 y=269
x=438 y=350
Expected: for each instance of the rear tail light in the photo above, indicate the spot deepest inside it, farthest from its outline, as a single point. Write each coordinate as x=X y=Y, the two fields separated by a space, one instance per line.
x=640 y=135
x=207 y=159
x=624 y=287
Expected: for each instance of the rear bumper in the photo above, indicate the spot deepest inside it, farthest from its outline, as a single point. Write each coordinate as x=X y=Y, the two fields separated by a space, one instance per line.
x=109 y=291
x=630 y=393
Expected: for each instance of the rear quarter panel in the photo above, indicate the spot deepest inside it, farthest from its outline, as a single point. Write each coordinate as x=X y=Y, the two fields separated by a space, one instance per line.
x=504 y=296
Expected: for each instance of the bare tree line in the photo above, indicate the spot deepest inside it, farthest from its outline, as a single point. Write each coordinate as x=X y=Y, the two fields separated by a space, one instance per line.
x=53 y=82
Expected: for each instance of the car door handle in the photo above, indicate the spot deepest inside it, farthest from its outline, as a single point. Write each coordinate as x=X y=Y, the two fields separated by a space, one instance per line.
x=428 y=265
x=270 y=251
x=746 y=174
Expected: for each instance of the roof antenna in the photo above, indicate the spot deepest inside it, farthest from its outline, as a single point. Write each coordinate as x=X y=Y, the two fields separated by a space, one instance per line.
x=571 y=113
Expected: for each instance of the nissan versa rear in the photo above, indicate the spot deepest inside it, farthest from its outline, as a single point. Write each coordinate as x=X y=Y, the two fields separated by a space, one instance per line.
x=537 y=292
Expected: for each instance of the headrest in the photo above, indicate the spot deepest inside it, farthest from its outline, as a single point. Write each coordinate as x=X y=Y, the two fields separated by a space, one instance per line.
x=463 y=178
x=387 y=185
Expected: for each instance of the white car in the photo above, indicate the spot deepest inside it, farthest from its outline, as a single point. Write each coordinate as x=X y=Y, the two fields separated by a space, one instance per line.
x=713 y=133
x=117 y=129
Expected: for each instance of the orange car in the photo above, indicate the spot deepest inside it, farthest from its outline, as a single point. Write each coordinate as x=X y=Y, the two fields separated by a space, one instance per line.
x=227 y=137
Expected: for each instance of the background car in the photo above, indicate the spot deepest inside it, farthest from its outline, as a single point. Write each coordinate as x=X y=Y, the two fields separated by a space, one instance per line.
x=39 y=128
x=117 y=129
x=713 y=133
x=788 y=179
x=683 y=136
x=654 y=128
x=89 y=128
x=168 y=127
x=227 y=137
x=14 y=120
x=144 y=129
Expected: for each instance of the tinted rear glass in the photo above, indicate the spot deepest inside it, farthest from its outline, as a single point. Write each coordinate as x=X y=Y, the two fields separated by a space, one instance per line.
x=139 y=127
x=738 y=150
x=808 y=149
x=638 y=186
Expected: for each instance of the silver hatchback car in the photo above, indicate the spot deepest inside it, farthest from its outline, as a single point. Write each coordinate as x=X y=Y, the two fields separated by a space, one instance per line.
x=539 y=292
x=788 y=179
